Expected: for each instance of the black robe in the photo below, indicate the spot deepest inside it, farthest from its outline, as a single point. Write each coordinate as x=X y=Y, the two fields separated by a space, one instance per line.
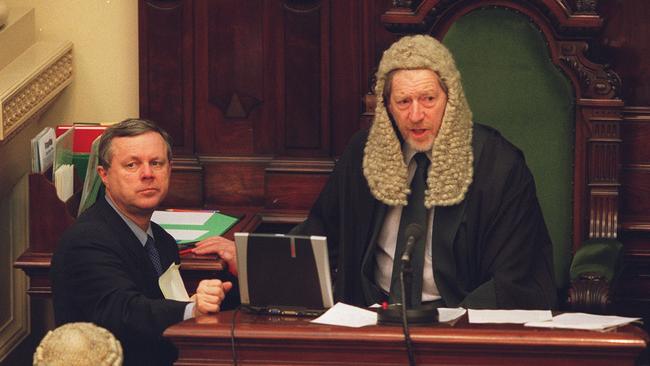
x=492 y=250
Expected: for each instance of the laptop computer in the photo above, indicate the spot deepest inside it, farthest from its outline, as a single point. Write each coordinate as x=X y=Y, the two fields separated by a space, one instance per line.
x=283 y=274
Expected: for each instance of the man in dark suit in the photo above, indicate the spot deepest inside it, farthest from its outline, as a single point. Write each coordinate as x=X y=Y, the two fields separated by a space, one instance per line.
x=107 y=265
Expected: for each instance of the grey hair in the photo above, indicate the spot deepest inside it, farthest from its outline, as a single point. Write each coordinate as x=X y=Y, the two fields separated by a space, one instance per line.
x=127 y=128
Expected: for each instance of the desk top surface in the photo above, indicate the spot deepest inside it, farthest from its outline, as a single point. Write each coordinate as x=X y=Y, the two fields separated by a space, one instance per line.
x=258 y=327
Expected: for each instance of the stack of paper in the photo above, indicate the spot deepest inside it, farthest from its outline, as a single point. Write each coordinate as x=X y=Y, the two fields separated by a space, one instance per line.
x=583 y=321
x=64 y=181
x=507 y=316
x=351 y=316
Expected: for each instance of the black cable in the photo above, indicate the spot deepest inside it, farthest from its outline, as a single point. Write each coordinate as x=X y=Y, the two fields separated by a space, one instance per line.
x=405 y=324
x=232 y=336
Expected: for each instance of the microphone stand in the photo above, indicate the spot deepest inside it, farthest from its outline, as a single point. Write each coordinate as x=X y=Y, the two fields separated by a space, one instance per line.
x=406 y=301
x=406 y=312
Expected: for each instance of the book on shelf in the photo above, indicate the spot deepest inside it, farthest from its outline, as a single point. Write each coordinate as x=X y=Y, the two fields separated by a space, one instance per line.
x=71 y=151
x=42 y=146
x=84 y=135
x=63 y=170
x=92 y=182
x=84 y=157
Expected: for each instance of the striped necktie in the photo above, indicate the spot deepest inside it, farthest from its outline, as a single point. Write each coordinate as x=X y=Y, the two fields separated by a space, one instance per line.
x=150 y=246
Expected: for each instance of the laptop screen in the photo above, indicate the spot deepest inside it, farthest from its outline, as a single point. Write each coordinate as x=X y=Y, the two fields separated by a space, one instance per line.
x=280 y=272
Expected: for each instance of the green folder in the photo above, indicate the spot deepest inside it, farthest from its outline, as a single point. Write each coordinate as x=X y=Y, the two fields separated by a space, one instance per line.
x=217 y=224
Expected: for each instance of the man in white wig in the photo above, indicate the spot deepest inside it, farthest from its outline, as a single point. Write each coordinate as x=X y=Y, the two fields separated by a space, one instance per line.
x=484 y=242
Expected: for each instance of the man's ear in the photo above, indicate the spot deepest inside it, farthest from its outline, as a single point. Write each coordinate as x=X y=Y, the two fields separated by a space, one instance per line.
x=103 y=173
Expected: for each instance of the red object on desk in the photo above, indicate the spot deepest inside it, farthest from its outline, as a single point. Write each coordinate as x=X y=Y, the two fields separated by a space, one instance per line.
x=185 y=251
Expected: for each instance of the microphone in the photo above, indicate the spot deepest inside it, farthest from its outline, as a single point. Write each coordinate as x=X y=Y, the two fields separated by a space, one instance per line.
x=415 y=313
x=413 y=233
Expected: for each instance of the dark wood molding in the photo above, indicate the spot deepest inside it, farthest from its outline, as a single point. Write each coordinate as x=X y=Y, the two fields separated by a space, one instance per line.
x=423 y=16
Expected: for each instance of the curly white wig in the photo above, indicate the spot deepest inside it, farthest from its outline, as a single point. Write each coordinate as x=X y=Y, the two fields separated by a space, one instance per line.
x=77 y=344
x=450 y=172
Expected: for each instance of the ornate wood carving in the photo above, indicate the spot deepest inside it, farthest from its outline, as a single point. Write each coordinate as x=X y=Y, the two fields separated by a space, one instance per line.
x=590 y=293
x=423 y=16
x=596 y=81
x=602 y=121
x=40 y=85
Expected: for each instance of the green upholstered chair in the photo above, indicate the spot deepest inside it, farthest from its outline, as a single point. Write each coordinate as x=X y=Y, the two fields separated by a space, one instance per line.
x=512 y=85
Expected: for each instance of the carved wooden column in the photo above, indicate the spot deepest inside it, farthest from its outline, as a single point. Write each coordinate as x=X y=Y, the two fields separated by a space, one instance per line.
x=598 y=111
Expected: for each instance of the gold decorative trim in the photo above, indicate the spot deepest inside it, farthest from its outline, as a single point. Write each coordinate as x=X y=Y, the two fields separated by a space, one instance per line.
x=28 y=99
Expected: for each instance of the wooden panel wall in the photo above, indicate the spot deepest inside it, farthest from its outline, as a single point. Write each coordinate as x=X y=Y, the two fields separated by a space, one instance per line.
x=261 y=96
x=625 y=45
x=166 y=68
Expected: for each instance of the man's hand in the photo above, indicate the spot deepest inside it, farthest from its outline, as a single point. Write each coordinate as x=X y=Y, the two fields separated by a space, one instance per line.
x=219 y=245
x=208 y=296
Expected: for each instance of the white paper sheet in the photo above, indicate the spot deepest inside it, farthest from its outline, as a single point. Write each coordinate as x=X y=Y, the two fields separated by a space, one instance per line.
x=583 y=321
x=347 y=316
x=508 y=316
x=180 y=217
x=449 y=314
x=171 y=284
x=180 y=234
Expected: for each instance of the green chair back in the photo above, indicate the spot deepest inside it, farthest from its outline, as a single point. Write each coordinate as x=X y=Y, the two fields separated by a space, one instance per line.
x=512 y=85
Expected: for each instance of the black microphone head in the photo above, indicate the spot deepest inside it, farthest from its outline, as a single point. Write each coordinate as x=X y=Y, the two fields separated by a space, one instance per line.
x=414 y=230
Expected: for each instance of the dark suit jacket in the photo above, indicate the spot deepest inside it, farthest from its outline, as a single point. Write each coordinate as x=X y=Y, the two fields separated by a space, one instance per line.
x=101 y=273
x=492 y=250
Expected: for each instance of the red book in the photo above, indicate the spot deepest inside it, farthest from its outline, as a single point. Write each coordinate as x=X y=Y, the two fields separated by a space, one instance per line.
x=84 y=135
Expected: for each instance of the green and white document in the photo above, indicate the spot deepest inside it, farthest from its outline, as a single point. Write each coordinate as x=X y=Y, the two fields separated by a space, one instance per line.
x=187 y=226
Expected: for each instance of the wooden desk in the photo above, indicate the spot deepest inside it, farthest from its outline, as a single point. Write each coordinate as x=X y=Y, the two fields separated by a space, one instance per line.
x=285 y=340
